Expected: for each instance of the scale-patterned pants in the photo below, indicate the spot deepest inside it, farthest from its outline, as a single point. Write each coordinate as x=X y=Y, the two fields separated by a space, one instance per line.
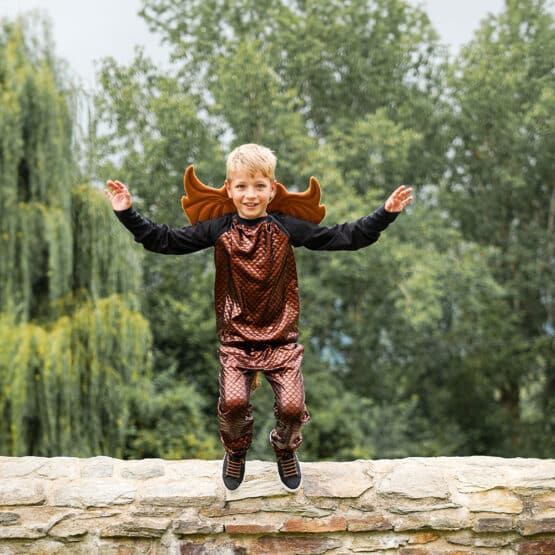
x=281 y=366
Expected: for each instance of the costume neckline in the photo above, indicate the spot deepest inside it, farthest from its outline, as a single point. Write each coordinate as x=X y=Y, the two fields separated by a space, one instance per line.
x=248 y=221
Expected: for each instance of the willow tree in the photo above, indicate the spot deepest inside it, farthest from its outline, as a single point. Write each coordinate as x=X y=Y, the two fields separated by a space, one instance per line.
x=71 y=342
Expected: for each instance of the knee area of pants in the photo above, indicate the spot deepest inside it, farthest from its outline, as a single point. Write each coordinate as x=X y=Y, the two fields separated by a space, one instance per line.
x=292 y=411
x=234 y=406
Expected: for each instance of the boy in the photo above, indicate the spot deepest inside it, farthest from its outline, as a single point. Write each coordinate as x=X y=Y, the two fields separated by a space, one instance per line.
x=253 y=223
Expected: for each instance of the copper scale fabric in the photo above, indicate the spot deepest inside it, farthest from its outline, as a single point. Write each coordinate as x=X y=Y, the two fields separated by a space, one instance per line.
x=256 y=291
x=257 y=311
x=281 y=366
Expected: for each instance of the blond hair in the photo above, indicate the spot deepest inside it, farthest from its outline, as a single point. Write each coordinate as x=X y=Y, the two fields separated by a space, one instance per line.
x=254 y=158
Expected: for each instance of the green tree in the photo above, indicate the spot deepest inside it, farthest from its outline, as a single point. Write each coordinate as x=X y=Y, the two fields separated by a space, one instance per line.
x=72 y=343
x=502 y=192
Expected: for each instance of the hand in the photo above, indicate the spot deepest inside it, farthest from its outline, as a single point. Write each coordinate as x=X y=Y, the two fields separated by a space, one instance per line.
x=399 y=199
x=118 y=195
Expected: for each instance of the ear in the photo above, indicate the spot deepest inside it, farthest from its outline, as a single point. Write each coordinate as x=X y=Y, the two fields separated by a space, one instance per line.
x=227 y=188
x=273 y=193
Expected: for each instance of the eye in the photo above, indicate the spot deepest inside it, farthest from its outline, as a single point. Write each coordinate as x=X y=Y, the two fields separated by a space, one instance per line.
x=261 y=185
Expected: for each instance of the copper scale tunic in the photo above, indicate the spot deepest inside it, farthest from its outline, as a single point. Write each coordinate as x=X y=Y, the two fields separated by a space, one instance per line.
x=257 y=306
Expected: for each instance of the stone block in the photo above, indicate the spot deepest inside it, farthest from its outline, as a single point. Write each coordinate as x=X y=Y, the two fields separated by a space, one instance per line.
x=493 y=525
x=93 y=493
x=403 y=506
x=448 y=519
x=211 y=548
x=142 y=470
x=368 y=524
x=366 y=503
x=128 y=547
x=284 y=503
x=53 y=547
x=137 y=528
x=19 y=467
x=251 y=529
x=192 y=469
x=317 y=526
x=97 y=467
x=423 y=537
x=532 y=526
x=20 y=533
x=369 y=543
x=9 y=519
x=543 y=502
x=198 y=493
x=467 y=538
x=43 y=518
x=520 y=475
x=183 y=527
x=272 y=522
x=21 y=491
x=339 y=480
x=67 y=468
x=538 y=547
x=426 y=551
x=496 y=500
x=416 y=480
x=69 y=530
x=289 y=545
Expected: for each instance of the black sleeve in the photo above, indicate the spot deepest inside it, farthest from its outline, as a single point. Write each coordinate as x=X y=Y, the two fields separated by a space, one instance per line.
x=348 y=236
x=164 y=239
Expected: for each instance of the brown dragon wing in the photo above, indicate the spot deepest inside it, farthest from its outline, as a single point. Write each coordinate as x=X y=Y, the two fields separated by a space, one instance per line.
x=305 y=206
x=201 y=202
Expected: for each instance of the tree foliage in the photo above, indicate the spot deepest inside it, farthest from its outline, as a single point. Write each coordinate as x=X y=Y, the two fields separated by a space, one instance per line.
x=72 y=342
x=502 y=193
x=438 y=340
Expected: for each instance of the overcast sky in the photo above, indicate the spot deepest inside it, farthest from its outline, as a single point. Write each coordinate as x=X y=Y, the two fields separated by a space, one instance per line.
x=88 y=30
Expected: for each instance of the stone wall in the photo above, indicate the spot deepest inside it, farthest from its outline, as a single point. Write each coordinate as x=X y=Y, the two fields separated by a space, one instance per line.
x=419 y=506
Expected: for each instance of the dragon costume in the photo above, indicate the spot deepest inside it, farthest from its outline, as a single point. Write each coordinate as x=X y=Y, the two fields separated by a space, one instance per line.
x=256 y=293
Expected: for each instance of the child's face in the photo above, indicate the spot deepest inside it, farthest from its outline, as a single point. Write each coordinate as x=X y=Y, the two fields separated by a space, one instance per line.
x=250 y=193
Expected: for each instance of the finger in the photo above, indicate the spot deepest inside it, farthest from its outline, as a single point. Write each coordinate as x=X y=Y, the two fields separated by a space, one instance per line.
x=404 y=195
x=116 y=186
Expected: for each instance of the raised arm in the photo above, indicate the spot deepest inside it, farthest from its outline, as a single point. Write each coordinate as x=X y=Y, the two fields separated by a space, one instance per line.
x=155 y=237
x=350 y=235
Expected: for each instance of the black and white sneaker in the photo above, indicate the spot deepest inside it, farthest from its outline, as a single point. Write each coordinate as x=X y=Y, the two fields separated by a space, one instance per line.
x=289 y=470
x=233 y=470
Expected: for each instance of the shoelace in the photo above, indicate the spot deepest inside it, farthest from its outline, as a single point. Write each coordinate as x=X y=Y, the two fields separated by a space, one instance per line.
x=233 y=468
x=289 y=466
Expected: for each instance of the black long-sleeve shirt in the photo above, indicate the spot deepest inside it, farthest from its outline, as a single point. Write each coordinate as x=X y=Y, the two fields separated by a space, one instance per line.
x=256 y=287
